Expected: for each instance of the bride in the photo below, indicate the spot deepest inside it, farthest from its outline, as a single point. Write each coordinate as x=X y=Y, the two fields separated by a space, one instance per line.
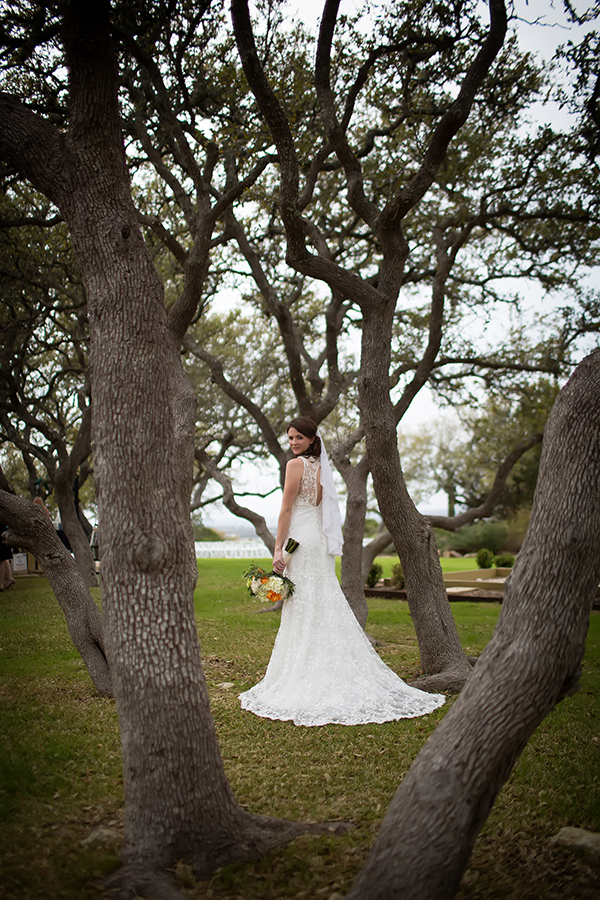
x=323 y=668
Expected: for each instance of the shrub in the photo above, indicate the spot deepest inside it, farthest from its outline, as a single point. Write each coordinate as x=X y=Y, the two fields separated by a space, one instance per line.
x=371 y=527
x=504 y=560
x=204 y=533
x=497 y=536
x=470 y=538
x=485 y=558
x=397 y=579
x=374 y=575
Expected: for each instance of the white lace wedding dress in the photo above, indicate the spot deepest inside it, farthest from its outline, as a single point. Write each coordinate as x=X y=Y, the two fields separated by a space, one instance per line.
x=323 y=668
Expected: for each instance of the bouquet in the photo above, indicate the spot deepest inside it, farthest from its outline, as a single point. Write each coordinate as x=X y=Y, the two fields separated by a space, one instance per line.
x=267 y=586
x=270 y=586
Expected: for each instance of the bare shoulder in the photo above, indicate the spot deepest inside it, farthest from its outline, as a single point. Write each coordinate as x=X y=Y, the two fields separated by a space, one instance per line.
x=295 y=467
x=294 y=471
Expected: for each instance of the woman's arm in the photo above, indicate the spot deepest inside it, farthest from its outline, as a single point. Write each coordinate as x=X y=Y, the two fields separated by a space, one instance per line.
x=293 y=475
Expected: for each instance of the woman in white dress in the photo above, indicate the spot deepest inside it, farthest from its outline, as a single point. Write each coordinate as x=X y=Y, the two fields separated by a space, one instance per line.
x=323 y=668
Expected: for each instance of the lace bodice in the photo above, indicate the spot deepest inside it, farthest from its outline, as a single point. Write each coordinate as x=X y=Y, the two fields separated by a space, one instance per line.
x=309 y=483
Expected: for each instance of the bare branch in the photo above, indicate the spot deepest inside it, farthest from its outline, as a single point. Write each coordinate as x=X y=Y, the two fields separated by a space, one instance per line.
x=259 y=522
x=218 y=376
x=335 y=133
x=453 y=523
x=31 y=220
x=452 y=121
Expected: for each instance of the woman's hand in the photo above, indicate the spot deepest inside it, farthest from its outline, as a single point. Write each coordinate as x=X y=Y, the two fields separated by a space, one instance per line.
x=278 y=563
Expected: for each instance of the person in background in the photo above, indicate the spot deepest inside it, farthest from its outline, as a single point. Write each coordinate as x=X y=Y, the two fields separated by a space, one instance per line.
x=39 y=502
x=6 y=576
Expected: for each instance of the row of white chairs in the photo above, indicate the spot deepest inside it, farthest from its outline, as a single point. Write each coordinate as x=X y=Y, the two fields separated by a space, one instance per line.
x=230 y=549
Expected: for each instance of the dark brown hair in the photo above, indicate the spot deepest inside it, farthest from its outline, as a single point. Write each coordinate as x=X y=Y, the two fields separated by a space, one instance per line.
x=306 y=426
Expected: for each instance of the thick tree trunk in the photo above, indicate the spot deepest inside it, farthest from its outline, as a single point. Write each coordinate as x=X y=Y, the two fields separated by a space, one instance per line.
x=178 y=802
x=532 y=661
x=442 y=659
x=31 y=529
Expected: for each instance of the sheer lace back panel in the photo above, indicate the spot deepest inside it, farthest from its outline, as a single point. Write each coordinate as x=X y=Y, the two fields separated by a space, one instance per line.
x=310 y=484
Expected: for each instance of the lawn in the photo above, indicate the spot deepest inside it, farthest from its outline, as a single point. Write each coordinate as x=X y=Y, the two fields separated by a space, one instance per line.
x=61 y=803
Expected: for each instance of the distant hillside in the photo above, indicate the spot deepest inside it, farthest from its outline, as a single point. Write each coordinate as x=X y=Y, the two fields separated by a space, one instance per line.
x=202 y=533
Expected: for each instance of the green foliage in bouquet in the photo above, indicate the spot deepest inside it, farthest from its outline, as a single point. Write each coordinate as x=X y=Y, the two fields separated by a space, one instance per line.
x=267 y=585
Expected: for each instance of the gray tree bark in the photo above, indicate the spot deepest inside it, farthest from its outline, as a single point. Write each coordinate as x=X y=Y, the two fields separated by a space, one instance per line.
x=73 y=528
x=31 y=529
x=178 y=802
x=443 y=661
x=353 y=578
x=532 y=662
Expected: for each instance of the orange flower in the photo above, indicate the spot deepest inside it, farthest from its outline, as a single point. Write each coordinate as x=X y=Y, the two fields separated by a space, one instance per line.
x=263 y=580
x=273 y=596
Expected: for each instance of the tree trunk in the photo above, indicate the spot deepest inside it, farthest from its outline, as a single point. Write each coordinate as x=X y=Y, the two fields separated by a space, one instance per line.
x=450 y=490
x=178 y=803
x=532 y=661
x=31 y=529
x=353 y=582
x=442 y=659
x=73 y=528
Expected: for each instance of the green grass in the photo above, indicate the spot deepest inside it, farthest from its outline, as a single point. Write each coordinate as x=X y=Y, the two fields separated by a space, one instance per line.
x=60 y=775
x=458 y=564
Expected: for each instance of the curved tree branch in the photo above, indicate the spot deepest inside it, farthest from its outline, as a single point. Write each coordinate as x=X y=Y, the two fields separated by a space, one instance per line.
x=218 y=376
x=34 y=147
x=31 y=529
x=258 y=521
x=483 y=511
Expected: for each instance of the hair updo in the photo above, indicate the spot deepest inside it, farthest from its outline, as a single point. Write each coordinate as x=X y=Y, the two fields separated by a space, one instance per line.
x=306 y=426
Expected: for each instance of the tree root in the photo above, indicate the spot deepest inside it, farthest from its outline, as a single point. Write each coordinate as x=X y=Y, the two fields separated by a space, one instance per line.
x=261 y=835
x=275 y=607
x=448 y=681
x=138 y=881
x=374 y=641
